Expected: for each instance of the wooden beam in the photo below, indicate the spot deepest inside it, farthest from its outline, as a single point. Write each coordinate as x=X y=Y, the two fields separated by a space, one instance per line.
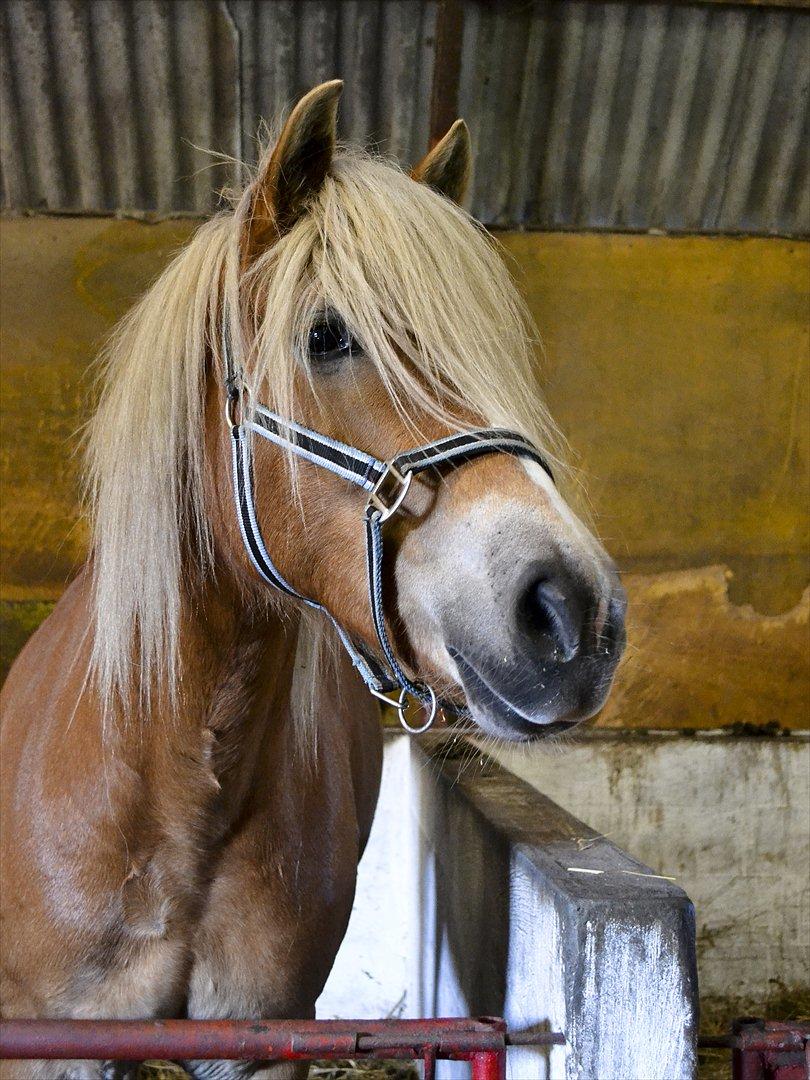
x=447 y=69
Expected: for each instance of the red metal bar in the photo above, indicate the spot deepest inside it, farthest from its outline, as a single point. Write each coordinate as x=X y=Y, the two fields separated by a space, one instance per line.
x=480 y=1040
x=429 y=1065
x=746 y=1065
x=489 y=1065
x=768 y=1050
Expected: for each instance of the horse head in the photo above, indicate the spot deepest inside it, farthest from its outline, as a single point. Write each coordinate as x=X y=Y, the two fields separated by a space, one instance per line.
x=373 y=310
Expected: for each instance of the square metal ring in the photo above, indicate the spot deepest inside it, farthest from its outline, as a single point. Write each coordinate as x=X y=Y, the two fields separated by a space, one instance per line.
x=390 y=490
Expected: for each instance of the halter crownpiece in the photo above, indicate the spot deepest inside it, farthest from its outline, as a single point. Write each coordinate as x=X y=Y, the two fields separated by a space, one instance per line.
x=387 y=484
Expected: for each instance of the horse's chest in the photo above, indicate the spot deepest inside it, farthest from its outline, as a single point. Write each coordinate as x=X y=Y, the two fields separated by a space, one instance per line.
x=239 y=902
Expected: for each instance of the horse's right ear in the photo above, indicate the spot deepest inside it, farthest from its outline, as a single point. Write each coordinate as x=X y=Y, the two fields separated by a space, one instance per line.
x=293 y=173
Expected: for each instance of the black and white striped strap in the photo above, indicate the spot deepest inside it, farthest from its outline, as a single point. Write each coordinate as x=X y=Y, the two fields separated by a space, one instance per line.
x=345 y=461
x=371 y=673
x=366 y=471
x=456 y=449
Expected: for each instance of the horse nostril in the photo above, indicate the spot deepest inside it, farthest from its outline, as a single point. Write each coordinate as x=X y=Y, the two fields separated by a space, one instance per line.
x=552 y=619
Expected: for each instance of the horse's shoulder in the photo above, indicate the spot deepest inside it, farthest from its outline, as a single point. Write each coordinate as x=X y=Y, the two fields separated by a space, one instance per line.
x=55 y=655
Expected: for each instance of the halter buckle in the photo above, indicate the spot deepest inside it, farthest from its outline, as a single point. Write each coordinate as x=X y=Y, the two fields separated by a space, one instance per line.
x=389 y=492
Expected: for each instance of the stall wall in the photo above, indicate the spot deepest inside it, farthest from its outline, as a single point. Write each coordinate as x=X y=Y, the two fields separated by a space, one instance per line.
x=727 y=819
x=678 y=369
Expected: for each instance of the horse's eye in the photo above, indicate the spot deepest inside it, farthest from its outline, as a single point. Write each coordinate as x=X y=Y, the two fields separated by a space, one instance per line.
x=329 y=340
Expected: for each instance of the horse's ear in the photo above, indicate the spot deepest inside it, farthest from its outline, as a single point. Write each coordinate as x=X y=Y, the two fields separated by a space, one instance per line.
x=295 y=170
x=446 y=168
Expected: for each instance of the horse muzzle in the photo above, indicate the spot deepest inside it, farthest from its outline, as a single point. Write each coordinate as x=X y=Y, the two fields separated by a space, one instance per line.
x=557 y=666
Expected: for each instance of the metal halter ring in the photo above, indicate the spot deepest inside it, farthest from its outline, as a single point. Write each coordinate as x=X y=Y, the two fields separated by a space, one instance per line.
x=235 y=396
x=434 y=708
x=383 y=489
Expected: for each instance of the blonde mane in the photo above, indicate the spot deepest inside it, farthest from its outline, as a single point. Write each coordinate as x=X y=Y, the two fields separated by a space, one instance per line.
x=418 y=282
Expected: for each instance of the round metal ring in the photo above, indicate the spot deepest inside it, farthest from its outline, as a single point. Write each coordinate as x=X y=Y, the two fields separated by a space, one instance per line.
x=434 y=708
x=239 y=399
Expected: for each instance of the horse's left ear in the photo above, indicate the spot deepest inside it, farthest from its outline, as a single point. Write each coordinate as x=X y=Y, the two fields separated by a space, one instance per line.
x=293 y=173
x=446 y=168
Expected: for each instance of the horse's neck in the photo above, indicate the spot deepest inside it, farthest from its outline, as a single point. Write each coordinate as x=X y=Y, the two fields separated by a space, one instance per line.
x=236 y=678
x=252 y=742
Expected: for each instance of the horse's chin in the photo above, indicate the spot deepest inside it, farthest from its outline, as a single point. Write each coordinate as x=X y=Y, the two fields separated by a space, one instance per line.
x=495 y=716
x=512 y=727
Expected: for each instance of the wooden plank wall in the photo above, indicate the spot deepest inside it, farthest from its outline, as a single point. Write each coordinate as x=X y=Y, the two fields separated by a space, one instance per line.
x=678 y=368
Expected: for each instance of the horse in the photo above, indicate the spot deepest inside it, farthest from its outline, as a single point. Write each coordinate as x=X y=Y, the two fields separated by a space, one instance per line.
x=190 y=754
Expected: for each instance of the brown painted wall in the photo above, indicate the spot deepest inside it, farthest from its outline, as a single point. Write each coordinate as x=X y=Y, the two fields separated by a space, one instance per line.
x=677 y=367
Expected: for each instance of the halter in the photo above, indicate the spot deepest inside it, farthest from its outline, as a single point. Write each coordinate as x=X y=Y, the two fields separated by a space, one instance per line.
x=387 y=484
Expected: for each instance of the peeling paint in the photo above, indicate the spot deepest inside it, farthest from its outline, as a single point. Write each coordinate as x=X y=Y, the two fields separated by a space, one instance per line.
x=633 y=973
x=696 y=660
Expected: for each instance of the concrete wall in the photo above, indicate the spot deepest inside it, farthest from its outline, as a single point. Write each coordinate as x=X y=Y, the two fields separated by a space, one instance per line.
x=727 y=818
x=377 y=969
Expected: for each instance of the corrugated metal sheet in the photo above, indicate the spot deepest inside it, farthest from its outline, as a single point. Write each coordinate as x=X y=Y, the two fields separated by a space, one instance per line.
x=103 y=103
x=638 y=116
x=584 y=114
x=383 y=49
